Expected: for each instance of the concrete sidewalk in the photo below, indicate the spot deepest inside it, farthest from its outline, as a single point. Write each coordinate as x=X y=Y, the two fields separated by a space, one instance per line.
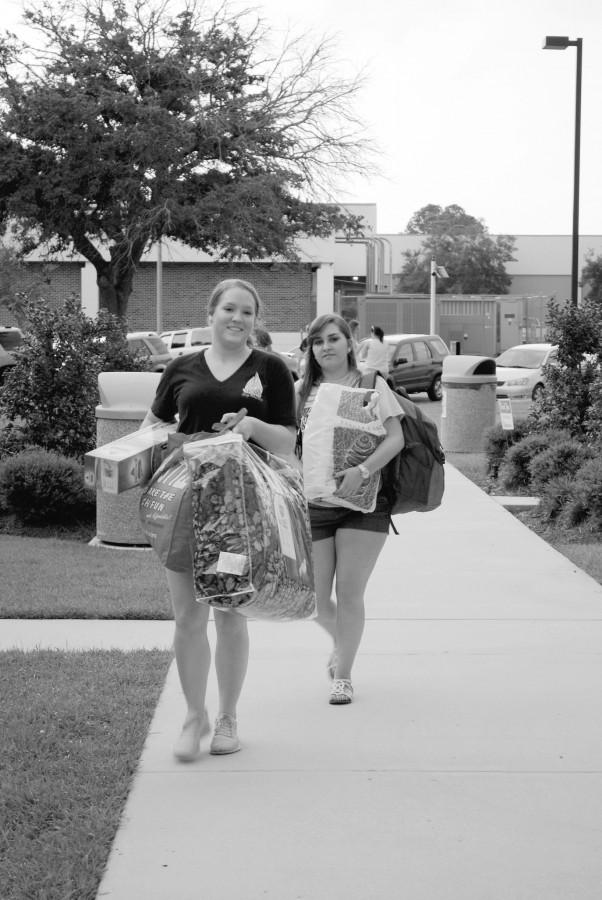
x=469 y=766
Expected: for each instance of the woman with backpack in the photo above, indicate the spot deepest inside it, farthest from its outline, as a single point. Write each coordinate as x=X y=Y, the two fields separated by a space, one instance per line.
x=346 y=543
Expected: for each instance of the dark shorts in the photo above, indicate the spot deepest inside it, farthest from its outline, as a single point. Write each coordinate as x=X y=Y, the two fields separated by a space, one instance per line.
x=326 y=520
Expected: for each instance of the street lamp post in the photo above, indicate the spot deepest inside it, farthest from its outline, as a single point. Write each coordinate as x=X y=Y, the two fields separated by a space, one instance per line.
x=436 y=272
x=554 y=42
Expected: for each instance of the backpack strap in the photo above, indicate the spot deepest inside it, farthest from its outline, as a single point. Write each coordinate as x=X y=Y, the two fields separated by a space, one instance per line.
x=368 y=379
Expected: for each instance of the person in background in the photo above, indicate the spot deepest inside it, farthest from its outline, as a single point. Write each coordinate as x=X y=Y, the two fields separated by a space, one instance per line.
x=374 y=353
x=346 y=543
x=302 y=351
x=354 y=327
x=204 y=389
x=263 y=340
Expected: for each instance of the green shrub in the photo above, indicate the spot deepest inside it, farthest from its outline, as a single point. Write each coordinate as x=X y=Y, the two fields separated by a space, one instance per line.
x=562 y=458
x=566 y=401
x=13 y=440
x=52 y=391
x=514 y=473
x=554 y=497
x=498 y=441
x=593 y=423
x=41 y=488
x=584 y=505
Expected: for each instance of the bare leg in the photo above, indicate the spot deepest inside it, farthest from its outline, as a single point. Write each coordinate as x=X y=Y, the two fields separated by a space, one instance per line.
x=323 y=553
x=356 y=555
x=191 y=646
x=231 y=658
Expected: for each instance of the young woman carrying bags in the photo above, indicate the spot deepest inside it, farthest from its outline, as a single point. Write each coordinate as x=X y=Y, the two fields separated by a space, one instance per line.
x=203 y=389
x=346 y=543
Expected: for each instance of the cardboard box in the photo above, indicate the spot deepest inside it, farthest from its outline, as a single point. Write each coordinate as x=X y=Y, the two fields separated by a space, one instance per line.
x=126 y=462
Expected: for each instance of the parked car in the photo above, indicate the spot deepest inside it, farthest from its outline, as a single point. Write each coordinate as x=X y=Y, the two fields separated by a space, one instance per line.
x=519 y=370
x=416 y=363
x=10 y=340
x=186 y=340
x=292 y=361
x=148 y=344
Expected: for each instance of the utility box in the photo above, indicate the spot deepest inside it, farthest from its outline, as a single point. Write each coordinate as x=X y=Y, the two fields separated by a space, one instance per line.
x=125 y=398
x=468 y=403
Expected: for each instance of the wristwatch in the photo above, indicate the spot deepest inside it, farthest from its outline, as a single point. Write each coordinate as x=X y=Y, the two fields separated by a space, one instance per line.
x=364 y=472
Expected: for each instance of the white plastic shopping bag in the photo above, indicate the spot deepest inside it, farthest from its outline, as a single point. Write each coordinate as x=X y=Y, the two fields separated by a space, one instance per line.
x=342 y=430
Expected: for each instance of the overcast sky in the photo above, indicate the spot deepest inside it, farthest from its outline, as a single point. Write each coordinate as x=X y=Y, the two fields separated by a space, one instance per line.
x=465 y=105
x=469 y=109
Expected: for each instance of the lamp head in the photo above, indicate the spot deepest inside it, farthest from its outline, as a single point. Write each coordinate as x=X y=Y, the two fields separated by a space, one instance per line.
x=554 y=42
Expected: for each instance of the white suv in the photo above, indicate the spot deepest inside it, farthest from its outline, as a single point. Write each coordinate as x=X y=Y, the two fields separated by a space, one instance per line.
x=149 y=346
x=186 y=340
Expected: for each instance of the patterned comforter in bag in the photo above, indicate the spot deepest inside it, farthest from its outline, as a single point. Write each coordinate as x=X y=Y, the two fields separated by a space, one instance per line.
x=342 y=430
x=252 y=537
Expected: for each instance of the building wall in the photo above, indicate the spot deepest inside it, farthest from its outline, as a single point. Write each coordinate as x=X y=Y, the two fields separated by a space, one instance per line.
x=57 y=281
x=286 y=292
x=557 y=286
x=292 y=294
x=542 y=262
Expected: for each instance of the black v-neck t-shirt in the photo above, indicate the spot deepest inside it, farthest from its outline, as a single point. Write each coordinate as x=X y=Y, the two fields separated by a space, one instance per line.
x=262 y=385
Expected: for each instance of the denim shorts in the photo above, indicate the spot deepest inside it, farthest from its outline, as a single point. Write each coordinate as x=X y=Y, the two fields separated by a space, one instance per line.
x=326 y=520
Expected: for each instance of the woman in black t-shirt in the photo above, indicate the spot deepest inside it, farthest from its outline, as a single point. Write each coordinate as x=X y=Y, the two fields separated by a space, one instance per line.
x=202 y=389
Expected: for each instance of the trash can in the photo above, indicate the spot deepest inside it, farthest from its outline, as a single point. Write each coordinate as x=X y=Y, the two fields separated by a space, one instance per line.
x=468 y=402
x=125 y=398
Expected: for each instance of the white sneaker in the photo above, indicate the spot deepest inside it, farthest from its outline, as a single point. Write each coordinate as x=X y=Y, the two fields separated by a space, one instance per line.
x=341 y=691
x=225 y=737
x=187 y=747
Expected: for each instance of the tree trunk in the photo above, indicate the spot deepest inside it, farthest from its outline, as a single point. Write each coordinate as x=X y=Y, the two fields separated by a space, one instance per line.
x=114 y=288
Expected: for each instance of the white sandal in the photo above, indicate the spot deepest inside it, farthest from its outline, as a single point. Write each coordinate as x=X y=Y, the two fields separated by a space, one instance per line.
x=187 y=747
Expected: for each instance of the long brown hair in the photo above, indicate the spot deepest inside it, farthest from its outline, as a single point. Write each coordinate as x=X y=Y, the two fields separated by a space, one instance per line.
x=313 y=371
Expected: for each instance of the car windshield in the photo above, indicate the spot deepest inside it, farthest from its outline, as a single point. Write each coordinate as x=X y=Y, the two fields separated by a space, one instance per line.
x=403 y=351
x=10 y=340
x=522 y=357
x=157 y=344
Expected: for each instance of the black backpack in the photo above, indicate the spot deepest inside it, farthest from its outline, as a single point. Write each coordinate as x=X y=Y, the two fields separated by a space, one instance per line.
x=414 y=480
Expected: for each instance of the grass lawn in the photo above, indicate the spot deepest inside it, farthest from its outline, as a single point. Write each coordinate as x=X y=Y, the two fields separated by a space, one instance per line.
x=69 y=747
x=49 y=577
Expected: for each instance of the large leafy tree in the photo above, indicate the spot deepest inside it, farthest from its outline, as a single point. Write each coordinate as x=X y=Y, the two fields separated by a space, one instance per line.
x=433 y=219
x=132 y=122
x=475 y=260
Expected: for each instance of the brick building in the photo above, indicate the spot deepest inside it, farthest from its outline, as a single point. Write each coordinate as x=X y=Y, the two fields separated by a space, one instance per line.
x=294 y=293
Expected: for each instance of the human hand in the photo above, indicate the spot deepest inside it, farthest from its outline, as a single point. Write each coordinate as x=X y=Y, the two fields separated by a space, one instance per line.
x=351 y=482
x=238 y=423
x=229 y=421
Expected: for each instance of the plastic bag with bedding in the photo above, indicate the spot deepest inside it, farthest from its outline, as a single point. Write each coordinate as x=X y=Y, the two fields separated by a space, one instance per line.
x=251 y=531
